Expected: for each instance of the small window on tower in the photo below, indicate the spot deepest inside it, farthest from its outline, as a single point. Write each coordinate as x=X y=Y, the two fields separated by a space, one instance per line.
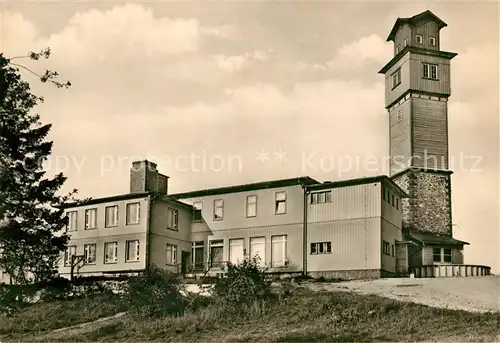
x=419 y=39
x=396 y=78
x=432 y=41
x=405 y=43
x=398 y=47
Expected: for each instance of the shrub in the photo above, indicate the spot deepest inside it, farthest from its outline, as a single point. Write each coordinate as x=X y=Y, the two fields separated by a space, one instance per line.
x=243 y=283
x=155 y=293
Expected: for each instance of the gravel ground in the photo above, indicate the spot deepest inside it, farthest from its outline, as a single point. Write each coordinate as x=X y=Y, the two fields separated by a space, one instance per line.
x=475 y=294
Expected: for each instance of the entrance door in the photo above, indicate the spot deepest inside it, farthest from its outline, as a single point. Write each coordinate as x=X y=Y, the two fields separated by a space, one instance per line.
x=185 y=261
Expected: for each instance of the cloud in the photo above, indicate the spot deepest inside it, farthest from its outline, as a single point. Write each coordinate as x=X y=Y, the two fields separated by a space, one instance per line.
x=355 y=55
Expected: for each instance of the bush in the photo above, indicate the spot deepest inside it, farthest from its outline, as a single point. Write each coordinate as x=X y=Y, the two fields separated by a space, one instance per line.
x=156 y=293
x=244 y=283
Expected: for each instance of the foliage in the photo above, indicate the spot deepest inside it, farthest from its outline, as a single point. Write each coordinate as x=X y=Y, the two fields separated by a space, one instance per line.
x=30 y=211
x=156 y=293
x=243 y=283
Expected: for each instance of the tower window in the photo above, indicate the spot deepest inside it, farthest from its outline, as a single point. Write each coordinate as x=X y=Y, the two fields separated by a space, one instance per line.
x=432 y=41
x=419 y=39
x=396 y=78
x=397 y=49
x=429 y=71
x=405 y=43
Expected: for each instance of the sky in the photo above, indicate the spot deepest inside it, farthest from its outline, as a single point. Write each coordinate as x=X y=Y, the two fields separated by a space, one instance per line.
x=224 y=93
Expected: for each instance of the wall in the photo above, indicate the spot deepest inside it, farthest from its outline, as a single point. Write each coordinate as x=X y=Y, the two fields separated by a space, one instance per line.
x=400 y=147
x=417 y=82
x=426 y=29
x=161 y=235
x=391 y=95
x=429 y=206
x=430 y=132
x=266 y=223
x=102 y=234
x=390 y=229
x=456 y=255
x=352 y=223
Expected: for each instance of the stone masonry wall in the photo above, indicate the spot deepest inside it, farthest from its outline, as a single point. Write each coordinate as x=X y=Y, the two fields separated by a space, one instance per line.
x=429 y=206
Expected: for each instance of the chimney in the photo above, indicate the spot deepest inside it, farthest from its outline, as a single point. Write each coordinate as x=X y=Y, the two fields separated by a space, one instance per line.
x=144 y=177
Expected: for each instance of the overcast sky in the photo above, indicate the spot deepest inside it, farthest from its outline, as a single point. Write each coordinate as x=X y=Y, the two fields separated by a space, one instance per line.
x=202 y=88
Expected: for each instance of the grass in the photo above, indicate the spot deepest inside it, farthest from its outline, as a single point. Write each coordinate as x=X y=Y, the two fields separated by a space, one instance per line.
x=46 y=316
x=301 y=317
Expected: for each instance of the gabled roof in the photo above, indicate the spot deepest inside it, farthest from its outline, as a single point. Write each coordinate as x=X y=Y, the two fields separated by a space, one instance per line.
x=428 y=238
x=427 y=15
x=301 y=180
x=359 y=181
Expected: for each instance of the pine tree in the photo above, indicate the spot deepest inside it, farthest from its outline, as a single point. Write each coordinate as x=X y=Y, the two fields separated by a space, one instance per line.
x=32 y=221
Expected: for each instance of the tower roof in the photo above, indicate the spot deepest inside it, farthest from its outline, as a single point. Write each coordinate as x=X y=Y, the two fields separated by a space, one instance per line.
x=427 y=15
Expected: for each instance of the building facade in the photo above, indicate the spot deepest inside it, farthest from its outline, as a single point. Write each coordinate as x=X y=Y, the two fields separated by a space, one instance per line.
x=361 y=228
x=417 y=84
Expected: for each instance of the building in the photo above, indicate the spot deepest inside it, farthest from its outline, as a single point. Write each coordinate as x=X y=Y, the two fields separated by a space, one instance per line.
x=417 y=83
x=361 y=228
x=345 y=229
x=369 y=227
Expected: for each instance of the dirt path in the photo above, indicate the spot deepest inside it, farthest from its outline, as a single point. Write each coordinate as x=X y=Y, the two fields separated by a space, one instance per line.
x=475 y=294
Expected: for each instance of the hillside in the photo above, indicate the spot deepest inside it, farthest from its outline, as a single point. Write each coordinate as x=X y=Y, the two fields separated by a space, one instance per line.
x=304 y=315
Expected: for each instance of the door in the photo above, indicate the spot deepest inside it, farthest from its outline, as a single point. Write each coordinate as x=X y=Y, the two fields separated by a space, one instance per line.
x=185 y=261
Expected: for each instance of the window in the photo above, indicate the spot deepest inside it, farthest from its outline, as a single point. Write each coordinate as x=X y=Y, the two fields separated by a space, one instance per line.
x=386 y=248
x=436 y=254
x=278 y=251
x=133 y=213
x=392 y=199
x=218 y=209
x=251 y=206
x=197 y=207
x=392 y=250
x=396 y=78
x=429 y=71
x=171 y=254
x=110 y=252
x=172 y=219
x=321 y=248
x=432 y=41
x=91 y=219
x=70 y=251
x=111 y=216
x=383 y=194
x=198 y=255
x=132 y=251
x=447 y=255
x=216 y=253
x=397 y=203
x=321 y=197
x=236 y=250
x=398 y=47
x=90 y=252
x=280 y=207
x=258 y=249
x=419 y=39
x=72 y=220
x=405 y=42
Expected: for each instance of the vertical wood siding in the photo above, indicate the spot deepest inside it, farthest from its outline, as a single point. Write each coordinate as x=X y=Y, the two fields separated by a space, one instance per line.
x=392 y=95
x=418 y=83
x=430 y=136
x=352 y=202
x=403 y=32
x=355 y=245
x=426 y=29
x=400 y=136
x=391 y=234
